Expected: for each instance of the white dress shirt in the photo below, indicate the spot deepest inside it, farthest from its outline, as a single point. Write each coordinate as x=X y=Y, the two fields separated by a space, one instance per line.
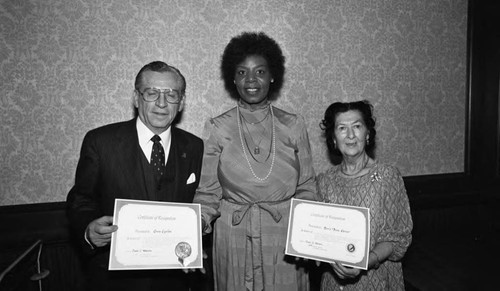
x=145 y=135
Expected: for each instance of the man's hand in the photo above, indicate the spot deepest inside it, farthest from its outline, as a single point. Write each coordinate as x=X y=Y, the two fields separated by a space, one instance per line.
x=99 y=231
x=202 y=270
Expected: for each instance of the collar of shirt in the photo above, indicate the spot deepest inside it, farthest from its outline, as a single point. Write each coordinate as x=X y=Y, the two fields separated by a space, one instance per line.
x=145 y=134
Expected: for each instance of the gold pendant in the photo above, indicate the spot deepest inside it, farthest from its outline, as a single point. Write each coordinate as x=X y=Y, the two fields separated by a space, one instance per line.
x=256 y=150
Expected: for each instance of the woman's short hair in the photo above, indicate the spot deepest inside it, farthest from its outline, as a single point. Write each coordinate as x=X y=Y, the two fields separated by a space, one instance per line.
x=257 y=44
x=328 y=125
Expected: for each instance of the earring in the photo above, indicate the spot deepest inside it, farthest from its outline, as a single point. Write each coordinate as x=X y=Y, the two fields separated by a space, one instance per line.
x=272 y=80
x=367 y=140
x=234 y=81
x=334 y=145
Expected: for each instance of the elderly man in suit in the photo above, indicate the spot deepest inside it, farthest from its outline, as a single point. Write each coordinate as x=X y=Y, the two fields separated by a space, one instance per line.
x=145 y=158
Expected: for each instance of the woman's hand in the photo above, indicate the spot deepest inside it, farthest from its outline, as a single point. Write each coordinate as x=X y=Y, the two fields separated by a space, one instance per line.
x=345 y=272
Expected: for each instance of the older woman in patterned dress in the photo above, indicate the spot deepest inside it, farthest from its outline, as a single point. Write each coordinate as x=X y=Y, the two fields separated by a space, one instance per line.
x=359 y=180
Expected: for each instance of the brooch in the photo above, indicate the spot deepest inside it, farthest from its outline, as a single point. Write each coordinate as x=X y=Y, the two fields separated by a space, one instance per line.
x=375 y=177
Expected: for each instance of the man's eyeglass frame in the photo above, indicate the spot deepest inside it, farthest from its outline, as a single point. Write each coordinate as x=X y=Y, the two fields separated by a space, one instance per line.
x=165 y=92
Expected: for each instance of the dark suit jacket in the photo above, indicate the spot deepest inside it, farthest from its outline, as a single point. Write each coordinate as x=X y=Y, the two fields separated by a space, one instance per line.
x=110 y=167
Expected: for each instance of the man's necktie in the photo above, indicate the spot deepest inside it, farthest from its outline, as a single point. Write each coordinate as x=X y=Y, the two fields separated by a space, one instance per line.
x=158 y=157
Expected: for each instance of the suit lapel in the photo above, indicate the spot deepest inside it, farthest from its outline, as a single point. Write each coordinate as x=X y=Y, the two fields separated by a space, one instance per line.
x=170 y=192
x=131 y=165
x=176 y=165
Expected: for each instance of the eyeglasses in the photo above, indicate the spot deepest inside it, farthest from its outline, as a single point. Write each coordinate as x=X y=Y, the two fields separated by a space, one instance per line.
x=172 y=96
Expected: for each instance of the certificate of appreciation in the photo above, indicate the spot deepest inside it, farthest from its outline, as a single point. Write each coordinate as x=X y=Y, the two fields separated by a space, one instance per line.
x=329 y=232
x=156 y=235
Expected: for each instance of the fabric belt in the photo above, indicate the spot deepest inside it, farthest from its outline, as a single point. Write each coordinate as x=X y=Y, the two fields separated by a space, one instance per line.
x=254 y=273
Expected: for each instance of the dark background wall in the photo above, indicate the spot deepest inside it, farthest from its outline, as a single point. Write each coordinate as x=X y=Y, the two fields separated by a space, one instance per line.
x=456 y=225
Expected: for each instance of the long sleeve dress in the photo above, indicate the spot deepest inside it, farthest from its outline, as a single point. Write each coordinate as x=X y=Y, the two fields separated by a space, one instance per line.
x=250 y=216
x=382 y=190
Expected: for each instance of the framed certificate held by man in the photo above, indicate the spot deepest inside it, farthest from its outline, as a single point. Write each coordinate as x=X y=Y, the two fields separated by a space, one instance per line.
x=156 y=235
x=329 y=233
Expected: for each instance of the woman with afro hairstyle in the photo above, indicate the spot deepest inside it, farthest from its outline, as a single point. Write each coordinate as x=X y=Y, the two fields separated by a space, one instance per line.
x=257 y=157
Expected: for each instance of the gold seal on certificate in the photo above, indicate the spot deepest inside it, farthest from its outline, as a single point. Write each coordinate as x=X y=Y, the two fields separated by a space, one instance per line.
x=329 y=232
x=182 y=251
x=156 y=235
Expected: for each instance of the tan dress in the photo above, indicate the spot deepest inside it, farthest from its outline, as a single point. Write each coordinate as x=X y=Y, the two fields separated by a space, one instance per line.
x=250 y=234
x=382 y=190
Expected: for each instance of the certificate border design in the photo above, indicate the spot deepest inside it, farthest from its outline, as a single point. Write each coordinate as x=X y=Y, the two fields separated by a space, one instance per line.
x=113 y=262
x=289 y=250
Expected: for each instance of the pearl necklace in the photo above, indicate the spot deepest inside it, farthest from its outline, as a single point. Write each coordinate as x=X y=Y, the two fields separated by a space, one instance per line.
x=245 y=152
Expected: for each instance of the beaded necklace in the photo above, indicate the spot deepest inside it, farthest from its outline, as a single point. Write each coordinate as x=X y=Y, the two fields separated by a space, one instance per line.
x=245 y=152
